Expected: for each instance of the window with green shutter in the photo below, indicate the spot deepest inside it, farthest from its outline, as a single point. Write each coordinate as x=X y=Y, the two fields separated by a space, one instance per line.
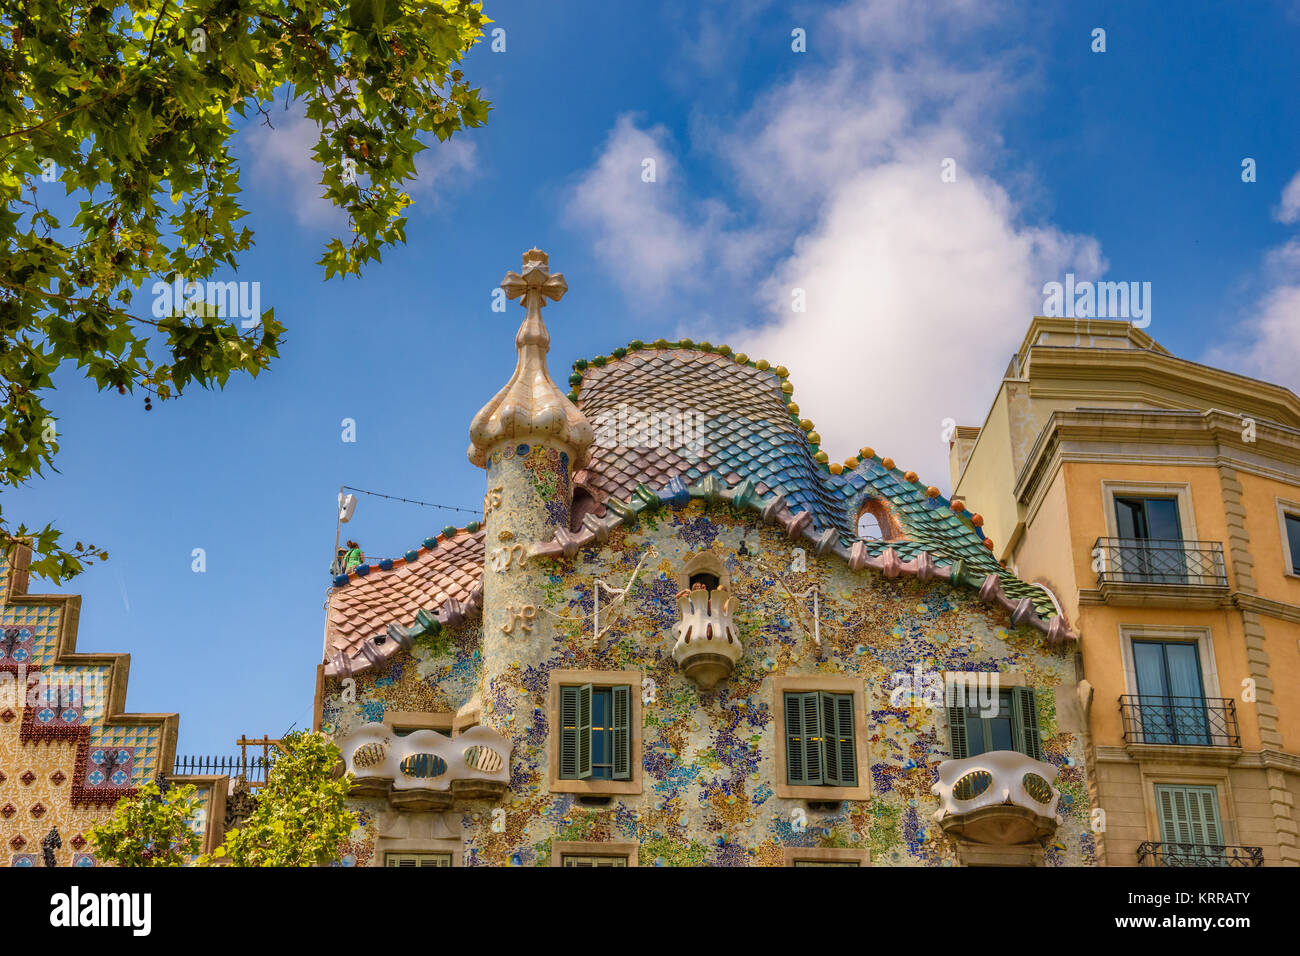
x=571 y=860
x=417 y=859
x=1012 y=726
x=821 y=749
x=595 y=732
x=1189 y=823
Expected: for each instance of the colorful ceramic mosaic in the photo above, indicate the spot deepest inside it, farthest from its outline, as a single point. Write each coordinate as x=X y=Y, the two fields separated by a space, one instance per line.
x=67 y=753
x=755 y=496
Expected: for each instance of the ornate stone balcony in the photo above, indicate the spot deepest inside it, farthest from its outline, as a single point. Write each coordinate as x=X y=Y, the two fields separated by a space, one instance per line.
x=1001 y=798
x=425 y=770
x=708 y=644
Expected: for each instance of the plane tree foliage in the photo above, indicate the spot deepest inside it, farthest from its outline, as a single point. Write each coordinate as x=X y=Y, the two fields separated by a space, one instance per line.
x=117 y=122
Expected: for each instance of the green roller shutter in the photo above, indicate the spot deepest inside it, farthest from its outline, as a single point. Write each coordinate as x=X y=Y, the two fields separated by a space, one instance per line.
x=839 y=746
x=957 y=732
x=622 y=732
x=1024 y=721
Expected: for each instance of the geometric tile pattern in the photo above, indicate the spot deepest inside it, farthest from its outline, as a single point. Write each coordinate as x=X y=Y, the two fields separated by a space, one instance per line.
x=67 y=752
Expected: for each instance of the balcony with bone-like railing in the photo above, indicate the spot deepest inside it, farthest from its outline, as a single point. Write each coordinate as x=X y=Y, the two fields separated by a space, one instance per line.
x=426 y=770
x=999 y=798
x=708 y=644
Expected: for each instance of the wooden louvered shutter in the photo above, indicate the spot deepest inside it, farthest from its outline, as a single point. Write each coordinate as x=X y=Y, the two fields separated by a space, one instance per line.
x=584 y=731
x=795 y=766
x=814 y=739
x=1189 y=815
x=803 y=739
x=1205 y=801
x=840 y=747
x=1189 y=819
x=957 y=732
x=569 y=733
x=1024 y=720
x=830 y=740
x=622 y=732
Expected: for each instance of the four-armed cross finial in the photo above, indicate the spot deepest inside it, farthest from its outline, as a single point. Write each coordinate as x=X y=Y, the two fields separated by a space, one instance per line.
x=536 y=279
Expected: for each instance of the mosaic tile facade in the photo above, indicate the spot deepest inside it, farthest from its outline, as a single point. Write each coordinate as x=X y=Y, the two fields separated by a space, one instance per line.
x=754 y=493
x=709 y=758
x=67 y=752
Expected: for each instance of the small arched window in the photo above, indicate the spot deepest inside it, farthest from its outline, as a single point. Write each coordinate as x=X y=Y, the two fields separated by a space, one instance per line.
x=875 y=523
x=869 y=527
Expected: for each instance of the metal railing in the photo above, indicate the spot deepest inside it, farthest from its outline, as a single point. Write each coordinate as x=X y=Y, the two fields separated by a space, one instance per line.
x=1160 y=561
x=1189 y=721
x=252 y=769
x=1198 y=854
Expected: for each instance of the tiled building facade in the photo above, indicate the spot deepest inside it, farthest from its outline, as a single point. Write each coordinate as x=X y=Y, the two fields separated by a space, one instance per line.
x=667 y=645
x=67 y=751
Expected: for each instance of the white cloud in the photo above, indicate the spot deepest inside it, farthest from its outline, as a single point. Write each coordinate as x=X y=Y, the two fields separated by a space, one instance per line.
x=1288 y=210
x=917 y=290
x=651 y=234
x=1266 y=344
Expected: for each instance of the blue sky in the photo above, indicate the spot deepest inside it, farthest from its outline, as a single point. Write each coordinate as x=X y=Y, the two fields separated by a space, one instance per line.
x=775 y=170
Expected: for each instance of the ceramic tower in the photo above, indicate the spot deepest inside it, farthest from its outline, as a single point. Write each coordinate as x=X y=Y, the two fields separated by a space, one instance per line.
x=529 y=439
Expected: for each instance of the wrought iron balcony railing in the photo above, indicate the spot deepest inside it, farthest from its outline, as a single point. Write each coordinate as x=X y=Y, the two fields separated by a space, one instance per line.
x=1198 y=854
x=1160 y=561
x=1189 y=721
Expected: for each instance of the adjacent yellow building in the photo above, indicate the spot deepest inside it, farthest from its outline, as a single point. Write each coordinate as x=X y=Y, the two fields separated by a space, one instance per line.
x=1159 y=500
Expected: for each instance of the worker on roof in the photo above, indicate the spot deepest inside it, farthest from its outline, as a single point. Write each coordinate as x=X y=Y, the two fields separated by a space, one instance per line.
x=354 y=556
x=340 y=562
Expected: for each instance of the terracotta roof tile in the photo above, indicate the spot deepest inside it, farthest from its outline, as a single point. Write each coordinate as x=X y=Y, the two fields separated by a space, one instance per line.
x=363 y=609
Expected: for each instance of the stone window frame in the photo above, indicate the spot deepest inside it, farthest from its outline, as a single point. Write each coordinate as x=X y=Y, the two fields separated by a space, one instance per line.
x=385 y=845
x=561 y=848
x=793 y=854
x=1006 y=681
x=443 y=722
x=988 y=855
x=1200 y=635
x=1189 y=775
x=1179 y=490
x=1286 y=507
x=831 y=684
x=566 y=678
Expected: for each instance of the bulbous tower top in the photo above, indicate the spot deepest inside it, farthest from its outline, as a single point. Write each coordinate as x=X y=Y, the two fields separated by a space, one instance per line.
x=531 y=407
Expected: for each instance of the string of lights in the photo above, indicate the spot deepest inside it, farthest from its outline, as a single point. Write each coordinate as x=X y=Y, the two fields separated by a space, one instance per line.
x=411 y=501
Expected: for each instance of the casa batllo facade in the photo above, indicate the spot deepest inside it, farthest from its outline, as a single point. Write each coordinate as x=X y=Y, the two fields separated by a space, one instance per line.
x=666 y=644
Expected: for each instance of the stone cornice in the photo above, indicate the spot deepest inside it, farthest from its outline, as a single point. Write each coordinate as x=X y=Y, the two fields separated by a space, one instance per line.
x=1241 y=759
x=1208 y=437
x=1092 y=373
x=1267 y=606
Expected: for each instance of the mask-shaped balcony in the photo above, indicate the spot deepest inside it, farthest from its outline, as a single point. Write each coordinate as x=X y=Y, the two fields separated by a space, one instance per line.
x=708 y=644
x=425 y=770
x=1000 y=798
